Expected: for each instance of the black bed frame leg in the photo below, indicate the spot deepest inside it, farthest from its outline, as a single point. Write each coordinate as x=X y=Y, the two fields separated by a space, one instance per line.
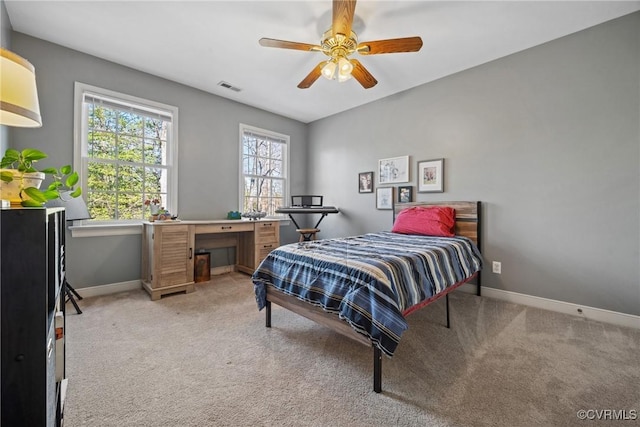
x=377 y=369
x=267 y=311
x=446 y=297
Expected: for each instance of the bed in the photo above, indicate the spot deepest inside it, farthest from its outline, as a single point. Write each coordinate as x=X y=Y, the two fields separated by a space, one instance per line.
x=364 y=286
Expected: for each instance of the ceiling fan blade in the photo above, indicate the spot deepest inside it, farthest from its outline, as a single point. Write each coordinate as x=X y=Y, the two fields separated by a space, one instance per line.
x=343 y=11
x=312 y=76
x=283 y=44
x=407 y=44
x=363 y=76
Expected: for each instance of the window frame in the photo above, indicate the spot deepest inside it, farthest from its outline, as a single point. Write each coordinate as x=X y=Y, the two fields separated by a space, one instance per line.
x=86 y=228
x=241 y=177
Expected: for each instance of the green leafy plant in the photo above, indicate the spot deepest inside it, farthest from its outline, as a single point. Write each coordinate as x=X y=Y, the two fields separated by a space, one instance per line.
x=64 y=178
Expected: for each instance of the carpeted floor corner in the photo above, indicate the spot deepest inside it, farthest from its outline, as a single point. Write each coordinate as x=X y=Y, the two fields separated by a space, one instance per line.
x=206 y=359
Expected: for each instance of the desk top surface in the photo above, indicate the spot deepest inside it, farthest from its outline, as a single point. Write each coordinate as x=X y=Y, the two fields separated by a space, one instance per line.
x=307 y=209
x=209 y=221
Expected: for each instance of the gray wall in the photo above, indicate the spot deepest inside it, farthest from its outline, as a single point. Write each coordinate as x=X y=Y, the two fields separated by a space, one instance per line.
x=208 y=147
x=548 y=139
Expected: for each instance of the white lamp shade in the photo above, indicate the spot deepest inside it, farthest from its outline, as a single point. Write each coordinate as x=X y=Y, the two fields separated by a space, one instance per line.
x=345 y=67
x=329 y=69
x=18 y=93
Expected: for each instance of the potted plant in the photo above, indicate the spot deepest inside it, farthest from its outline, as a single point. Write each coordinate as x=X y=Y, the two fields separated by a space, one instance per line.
x=154 y=205
x=20 y=181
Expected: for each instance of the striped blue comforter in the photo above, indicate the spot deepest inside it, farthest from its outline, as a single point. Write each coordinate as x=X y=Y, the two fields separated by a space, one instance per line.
x=369 y=280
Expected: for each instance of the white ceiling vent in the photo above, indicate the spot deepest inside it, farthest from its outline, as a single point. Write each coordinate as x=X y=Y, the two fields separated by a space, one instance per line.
x=229 y=86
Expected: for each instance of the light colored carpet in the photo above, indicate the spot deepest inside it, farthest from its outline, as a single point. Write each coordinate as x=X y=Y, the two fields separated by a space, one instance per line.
x=206 y=359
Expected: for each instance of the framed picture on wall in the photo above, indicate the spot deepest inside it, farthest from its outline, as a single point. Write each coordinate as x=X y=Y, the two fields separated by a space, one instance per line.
x=365 y=182
x=393 y=170
x=384 y=198
x=431 y=176
x=405 y=194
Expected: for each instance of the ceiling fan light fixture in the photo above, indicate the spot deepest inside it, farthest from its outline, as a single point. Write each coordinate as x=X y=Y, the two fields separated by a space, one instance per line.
x=339 y=42
x=329 y=69
x=345 y=67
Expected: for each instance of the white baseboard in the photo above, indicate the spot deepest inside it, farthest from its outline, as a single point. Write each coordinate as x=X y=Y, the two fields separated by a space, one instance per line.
x=593 y=313
x=94 y=291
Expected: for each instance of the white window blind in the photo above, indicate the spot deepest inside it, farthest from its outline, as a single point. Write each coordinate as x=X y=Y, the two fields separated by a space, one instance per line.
x=264 y=183
x=126 y=148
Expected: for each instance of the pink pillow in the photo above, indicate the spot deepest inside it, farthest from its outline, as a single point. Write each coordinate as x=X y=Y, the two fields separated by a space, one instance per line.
x=426 y=221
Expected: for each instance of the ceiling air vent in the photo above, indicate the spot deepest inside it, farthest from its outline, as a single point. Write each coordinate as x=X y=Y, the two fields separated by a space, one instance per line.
x=229 y=86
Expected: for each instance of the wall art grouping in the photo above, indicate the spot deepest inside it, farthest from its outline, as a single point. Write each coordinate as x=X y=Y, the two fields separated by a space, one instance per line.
x=394 y=170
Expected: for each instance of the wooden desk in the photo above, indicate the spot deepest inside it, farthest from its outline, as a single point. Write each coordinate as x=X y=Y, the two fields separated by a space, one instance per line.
x=168 y=249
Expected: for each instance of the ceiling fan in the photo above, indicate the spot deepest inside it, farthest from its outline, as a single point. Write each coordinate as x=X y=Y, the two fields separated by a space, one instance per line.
x=338 y=43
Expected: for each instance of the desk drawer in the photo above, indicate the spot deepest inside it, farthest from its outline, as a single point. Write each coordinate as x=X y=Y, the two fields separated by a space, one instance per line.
x=267 y=232
x=263 y=250
x=224 y=228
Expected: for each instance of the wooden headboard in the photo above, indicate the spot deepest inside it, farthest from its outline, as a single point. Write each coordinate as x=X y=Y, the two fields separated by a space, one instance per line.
x=467 y=216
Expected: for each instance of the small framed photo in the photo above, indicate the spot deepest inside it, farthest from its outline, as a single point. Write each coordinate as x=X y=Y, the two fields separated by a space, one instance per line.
x=405 y=194
x=431 y=176
x=384 y=198
x=393 y=170
x=365 y=182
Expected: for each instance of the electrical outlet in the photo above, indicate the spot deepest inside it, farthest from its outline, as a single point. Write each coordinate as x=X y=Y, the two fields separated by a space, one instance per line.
x=497 y=267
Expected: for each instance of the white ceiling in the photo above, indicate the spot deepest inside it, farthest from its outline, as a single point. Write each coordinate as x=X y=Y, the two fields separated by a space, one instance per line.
x=200 y=43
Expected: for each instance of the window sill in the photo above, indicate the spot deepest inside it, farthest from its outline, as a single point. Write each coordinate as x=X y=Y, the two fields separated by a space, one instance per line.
x=105 y=230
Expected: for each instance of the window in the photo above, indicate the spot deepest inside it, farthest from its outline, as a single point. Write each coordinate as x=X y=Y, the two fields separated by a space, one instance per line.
x=263 y=170
x=125 y=153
